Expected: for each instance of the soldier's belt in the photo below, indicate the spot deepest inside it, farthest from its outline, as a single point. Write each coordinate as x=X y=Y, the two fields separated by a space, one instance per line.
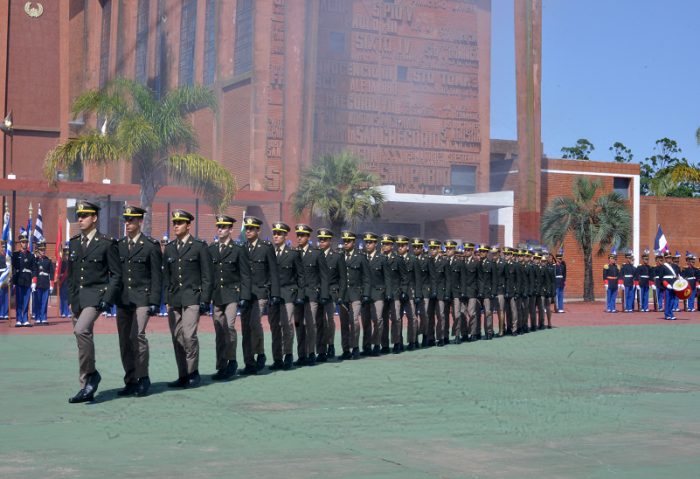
x=25 y=270
x=612 y=277
x=560 y=276
x=644 y=276
x=44 y=273
x=628 y=276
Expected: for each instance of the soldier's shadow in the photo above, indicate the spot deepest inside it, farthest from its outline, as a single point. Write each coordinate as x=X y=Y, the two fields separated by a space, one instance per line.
x=155 y=389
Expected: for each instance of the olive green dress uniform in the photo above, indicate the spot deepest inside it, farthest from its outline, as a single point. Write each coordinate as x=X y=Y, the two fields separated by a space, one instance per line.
x=265 y=285
x=325 y=321
x=474 y=294
x=499 y=302
x=541 y=283
x=188 y=276
x=524 y=312
x=94 y=277
x=232 y=283
x=412 y=289
x=142 y=281
x=315 y=295
x=458 y=280
x=441 y=303
x=488 y=286
x=358 y=287
x=513 y=286
x=427 y=271
x=380 y=281
x=392 y=304
x=532 y=300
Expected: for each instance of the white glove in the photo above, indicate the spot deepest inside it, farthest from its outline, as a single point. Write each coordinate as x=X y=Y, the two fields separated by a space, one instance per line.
x=669 y=287
x=33 y=287
x=50 y=289
x=653 y=286
x=620 y=286
x=639 y=288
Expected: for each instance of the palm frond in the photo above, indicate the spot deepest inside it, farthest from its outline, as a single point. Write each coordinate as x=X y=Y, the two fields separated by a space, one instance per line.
x=206 y=177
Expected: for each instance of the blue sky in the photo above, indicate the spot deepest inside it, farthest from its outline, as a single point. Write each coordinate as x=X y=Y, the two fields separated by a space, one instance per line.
x=612 y=70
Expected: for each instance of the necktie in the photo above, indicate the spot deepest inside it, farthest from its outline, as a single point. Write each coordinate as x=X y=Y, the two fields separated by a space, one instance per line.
x=279 y=252
x=347 y=257
x=221 y=248
x=131 y=244
x=250 y=247
x=83 y=245
x=179 y=244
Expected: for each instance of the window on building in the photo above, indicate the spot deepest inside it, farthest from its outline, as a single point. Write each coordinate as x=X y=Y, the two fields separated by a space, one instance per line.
x=336 y=42
x=209 y=45
x=159 y=44
x=188 y=30
x=402 y=73
x=141 y=69
x=104 y=43
x=463 y=179
x=243 y=53
x=621 y=186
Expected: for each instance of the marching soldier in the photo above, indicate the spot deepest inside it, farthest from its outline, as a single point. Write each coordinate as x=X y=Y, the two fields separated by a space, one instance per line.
x=427 y=272
x=392 y=300
x=511 y=295
x=281 y=315
x=22 y=267
x=188 y=275
x=668 y=273
x=443 y=290
x=525 y=293
x=488 y=286
x=645 y=277
x=94 y=279
x=411 y=294
x=138 y=300
x=356 y=295
x=232 y=284
x=265 y=288
x=458 y=294
x=499 y=302
x=325 y=321
x=560 y=277
x=627 y=277
x=541 y=281
x=42 y=282
x=316 y=294
x=610 y=278
x=380 y=284
x=676 y=260
x=64 y=310
x=550 y=298
x=532 y=271
x=690 y=275
x=474 y=292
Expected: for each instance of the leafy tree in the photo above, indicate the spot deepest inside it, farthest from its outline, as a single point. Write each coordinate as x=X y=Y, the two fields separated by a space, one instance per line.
x=581 y=151
x=620 y=153
x=697 y=136
x=340 y=190
x=593 y=219
x=655 y=172
x=157 y=135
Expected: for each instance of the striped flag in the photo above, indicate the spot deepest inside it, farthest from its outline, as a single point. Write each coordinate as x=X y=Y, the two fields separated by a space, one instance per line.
x=30 y=238
x=6 y=276
x=660 y=243
x=38 y=228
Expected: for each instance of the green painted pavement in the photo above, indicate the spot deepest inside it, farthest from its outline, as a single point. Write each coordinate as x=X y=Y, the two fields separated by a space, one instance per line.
x=570 y=402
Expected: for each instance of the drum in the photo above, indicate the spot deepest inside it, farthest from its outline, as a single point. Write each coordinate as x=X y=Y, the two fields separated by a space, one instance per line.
x=682 y=288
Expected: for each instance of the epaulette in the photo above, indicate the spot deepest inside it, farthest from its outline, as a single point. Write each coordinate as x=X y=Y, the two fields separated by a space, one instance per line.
x=318 y=249
x=237 y=243
x=606 y=266
x=265 y=242
x=197 y=239
x=75 y=237
x=152 y=240
x=109 y=238
x=294 y=248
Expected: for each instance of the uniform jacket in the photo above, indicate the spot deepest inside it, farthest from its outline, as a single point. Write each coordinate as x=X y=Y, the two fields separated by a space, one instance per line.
x=690 y=273
x=337 y=276
x=552 y=286
x=188 y=274
x=380 y=276
x=458 y=276
x=393 y=263
x=95 y=276
x=473 y=272
x=357 y=276
x=489 y=278
x=316 y=274
x=667 y=276
x=291 y=273
x=232 y=273
x=142 y=273
x=533 y=273
x=22 y=268
x=514 y=278
x=43 y=272
x=442 y=277
x=645 y=275
x=559 y=275
x=411 y=277
x=265 y=273
x=610 y=274
x=500 y=276
x=525 y=289
x=628 y=275
x=427 y=271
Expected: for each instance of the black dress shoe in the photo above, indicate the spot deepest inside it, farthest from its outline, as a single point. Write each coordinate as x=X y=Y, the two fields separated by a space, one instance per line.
x=447 y=340
x=142 y=387
x=260 y=363
x=331 y=351
x=300 y=362
x=541 y=328
x=248 y=370
x=345 y=355
x=80 y=397
x=193 y=381
x=366 y=352
x=356 y=353
x=322 y=358
x=441 y=343
x=526 y=330
x=287 y=364
x=93 y=380
x=533 y=329
x=489 y=336
x=127 y=390
x=473 y=338
x=179 y=383
x=424 y=343
x=465 y=338
x=549 y=326
x=311 y=360
x=403 y=346
x=431 y=343
x=458 y=340
x=411 y=347
x=514 y=333
x=385 y=350
x=376 y=351
x=230 y=371
x=219 y=375
x=276 y=364
x=397 y=348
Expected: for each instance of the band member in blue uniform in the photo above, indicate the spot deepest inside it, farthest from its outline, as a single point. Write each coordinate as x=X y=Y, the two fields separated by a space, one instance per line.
x=668 y=273
x=657 y=286
x=610 y=276
x=42 y=282
x=690 y=273
x=4 y=303
x=560 y=275
x=628 y=274
x=645 y=276
x=22 y=266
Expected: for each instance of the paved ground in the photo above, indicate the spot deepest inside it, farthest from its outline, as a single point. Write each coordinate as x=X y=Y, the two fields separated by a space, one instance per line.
x=570 y=402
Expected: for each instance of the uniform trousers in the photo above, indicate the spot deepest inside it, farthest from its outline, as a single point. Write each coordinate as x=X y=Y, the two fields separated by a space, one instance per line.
x=629 y=297
x=5 y=304
x=489 y=305
x=63 y=305
x=644 y=297
x=133 y=345
x=163 y=306
x=22 y=294
x=325 y=327
x=474 y=311
x=422 y=313
x=512 y=307
x=536 y=309
x=611 y=296
x=349 y=313
x=690 y=302
x=372 y=324
x=83 y=323
x=226 y=340
x=523 y=312
x=281 y=319
x=306 y=327
x=436 y=311
x=40 y=305
x=560 y=298
x=252 y=331
x=408 y=308
x=389 y=313
x=668 y=302
x=459 y=313
x=183 y=322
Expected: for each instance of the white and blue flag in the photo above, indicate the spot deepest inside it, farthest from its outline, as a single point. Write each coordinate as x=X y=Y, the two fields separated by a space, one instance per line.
x=660 y=243
x=6 y=275
x=38 y=228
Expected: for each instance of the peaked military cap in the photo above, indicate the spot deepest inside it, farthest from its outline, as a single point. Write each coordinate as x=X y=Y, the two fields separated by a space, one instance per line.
x=646 y=253
x=131 y=211
x=324 y=233
x=560 y=254
x=85 y=207
x=224 y=220
x=22 y=236
x=304 y=229
x=450 y=244
x=417 y=242
x=280 y=226
x=347 y=235
x=66 y=246
x=182 y=215
x=252 y=221
x=434 y=243
x=388 y=239
x=495 y=249
x=369 y=236
x=41 y=244
x=537 y=255
x=668 y=254
x=401 y=239
x=469 y=246
x=165 y=239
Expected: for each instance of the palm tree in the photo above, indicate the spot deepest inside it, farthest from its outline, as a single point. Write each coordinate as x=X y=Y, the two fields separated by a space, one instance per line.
x=592 y=218
x=156 y=134
x=685 y=173
x=340 y=190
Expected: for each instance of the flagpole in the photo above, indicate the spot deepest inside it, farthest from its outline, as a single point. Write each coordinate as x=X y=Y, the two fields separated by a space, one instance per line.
x=30 y=236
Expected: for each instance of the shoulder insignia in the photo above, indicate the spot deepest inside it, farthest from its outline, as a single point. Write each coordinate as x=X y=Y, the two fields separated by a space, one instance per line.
x=317 y=249
x=152 y=240
x=75 y=237
x=265 y=242
x=605 y=267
